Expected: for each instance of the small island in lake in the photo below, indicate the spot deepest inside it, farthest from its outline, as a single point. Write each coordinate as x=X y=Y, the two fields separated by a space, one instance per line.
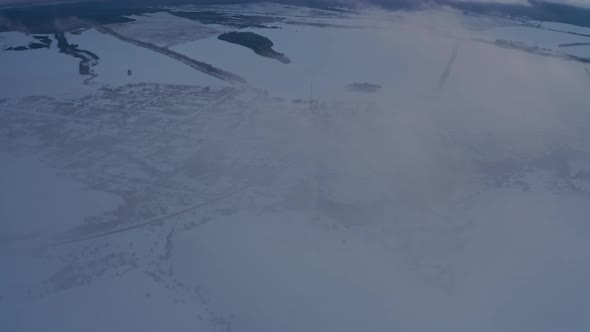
x=363 y=87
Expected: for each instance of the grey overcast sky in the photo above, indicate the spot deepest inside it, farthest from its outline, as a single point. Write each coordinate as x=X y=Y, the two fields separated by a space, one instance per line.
x=582 y=3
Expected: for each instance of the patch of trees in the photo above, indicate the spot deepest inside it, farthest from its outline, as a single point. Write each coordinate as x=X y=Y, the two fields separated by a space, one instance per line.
x=259 y=44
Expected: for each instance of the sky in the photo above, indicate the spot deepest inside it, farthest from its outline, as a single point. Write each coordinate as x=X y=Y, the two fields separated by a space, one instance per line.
x=582 y=3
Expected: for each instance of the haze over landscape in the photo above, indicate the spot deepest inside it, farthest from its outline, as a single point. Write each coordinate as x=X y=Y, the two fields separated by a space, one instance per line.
x=293 y=166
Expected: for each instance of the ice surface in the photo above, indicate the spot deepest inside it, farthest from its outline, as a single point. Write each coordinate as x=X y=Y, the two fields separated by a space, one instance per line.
x=28 y=72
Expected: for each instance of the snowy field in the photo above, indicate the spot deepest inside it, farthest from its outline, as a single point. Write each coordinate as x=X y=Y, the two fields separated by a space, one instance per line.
x=455 y=198
x=163 y=29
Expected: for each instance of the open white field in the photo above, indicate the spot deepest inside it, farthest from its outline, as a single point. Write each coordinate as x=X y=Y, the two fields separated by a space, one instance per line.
x=163 y=29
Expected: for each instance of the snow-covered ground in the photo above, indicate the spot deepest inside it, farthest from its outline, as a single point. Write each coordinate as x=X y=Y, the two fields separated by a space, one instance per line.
x=453 y=199
x=534 y=36
x=163 y=29
x=116 y=57
x=325 y=61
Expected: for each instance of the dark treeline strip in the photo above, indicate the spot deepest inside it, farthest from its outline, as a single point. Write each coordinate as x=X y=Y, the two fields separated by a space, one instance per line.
x=71 y=16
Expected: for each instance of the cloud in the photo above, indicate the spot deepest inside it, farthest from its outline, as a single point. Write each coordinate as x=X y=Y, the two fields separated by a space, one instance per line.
x=578 y=3
x=510 y=2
